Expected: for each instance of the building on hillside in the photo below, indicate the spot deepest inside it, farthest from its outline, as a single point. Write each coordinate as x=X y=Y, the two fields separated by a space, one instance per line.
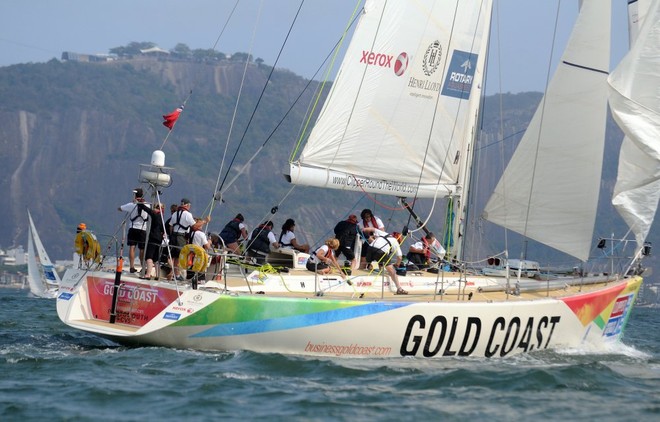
x=15 y=256
x=77 y=57
x=155 y=52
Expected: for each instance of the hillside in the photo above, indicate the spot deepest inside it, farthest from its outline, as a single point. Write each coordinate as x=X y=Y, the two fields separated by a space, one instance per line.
x=73 y=135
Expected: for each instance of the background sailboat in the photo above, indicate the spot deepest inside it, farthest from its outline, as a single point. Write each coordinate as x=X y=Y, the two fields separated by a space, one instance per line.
x=43 y=279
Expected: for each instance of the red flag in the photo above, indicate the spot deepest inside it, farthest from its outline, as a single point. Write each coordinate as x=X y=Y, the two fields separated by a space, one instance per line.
x=171 y=118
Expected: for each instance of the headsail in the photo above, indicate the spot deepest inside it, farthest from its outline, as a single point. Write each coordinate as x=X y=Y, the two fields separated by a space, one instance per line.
x=37 y=287
x=635 y=104
x=43 y=279
x=549 y=190
x=402 y=107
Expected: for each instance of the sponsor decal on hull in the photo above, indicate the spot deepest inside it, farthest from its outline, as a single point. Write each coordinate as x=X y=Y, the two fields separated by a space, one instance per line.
x=460 y=337
x=615 y=324
x=137 y=304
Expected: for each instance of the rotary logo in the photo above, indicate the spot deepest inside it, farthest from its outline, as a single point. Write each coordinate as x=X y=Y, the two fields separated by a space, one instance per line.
x=432 y=58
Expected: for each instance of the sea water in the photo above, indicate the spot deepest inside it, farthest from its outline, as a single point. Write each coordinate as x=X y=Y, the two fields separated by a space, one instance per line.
x=50 y=372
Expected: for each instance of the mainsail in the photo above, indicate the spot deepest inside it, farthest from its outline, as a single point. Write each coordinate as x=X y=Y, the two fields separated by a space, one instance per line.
x=549 y=190
x=402 y=108
x=635 y=105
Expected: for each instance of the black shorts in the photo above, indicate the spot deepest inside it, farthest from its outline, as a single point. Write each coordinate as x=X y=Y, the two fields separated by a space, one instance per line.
x=136 y=237
x=368 y=252
x=382 y=257
x=416 y=258
x=347 y=251
x=153 y=252
x=312 y=266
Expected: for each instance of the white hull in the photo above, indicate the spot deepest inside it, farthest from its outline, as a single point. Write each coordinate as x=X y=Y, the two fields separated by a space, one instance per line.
x=340 y=323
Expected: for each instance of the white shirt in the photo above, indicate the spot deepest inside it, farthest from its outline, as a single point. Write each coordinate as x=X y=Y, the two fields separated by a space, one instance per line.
x=186 y=220
x=380 y=242
x=418 y=245
x=314 y=258
x=200 y=238
x=137 y=219
x=287 y=239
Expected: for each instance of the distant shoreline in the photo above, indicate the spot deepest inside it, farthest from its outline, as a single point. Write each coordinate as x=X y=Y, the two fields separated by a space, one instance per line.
x=13 y=286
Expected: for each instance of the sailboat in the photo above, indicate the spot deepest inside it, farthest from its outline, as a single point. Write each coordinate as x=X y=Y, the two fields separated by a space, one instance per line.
x=401 y=119
x=43 y=280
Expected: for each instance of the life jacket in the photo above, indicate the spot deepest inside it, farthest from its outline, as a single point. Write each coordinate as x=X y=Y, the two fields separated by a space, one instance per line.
x=314 y=257
x=178 y=214
x=259 y=240
x=394 y=243
x=190 y=236
x=427 y=249
x=143 y=215
x=232 y=231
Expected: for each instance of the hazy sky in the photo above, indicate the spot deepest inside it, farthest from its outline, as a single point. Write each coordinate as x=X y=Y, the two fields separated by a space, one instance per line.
x=39 y=30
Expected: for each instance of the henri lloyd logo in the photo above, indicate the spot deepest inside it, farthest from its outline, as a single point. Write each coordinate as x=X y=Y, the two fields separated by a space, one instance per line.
x=386 y=60
x=430 y=64
x=458 y=82
x=432 y=58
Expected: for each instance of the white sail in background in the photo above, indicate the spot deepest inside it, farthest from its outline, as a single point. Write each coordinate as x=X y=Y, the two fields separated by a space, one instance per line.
x=399 y=113
x=549 y=190
x=635 y=105
x=42 y=278
x=37 y=286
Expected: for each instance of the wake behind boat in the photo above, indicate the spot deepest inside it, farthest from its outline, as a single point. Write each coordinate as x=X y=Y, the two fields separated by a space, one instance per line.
x=409 y=92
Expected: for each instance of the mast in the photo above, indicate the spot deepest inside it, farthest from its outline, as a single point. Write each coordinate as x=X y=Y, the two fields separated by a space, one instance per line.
x=460 y=201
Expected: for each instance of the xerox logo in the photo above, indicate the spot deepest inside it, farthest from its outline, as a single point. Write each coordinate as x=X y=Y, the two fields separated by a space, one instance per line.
x=401 y=64
x=385 y=60
x=376 y=59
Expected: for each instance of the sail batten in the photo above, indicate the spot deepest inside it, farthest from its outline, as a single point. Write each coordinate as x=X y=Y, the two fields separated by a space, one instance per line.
x=397 y=114
x=549 y=190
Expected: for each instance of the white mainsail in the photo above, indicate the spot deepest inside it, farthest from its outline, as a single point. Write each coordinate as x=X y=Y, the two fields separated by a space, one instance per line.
x=402 y=106
x=635 y=105
x=42 y=278
x=549 y=190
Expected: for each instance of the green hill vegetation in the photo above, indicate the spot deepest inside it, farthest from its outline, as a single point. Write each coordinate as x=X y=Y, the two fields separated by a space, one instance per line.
x=74 y=133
